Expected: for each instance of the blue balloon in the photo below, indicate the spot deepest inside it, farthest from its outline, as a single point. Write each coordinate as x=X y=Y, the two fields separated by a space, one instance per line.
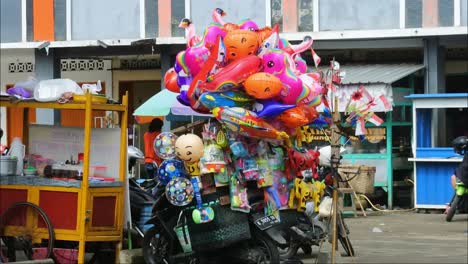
x=270 y=108
x=226 y=99
x=319 y=122
x=170 y=169
x=326 y=112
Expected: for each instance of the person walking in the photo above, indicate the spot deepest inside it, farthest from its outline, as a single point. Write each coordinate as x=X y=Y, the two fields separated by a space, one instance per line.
x=152 y=161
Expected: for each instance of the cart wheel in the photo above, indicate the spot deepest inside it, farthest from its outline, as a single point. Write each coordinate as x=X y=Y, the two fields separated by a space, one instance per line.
x=26 y=228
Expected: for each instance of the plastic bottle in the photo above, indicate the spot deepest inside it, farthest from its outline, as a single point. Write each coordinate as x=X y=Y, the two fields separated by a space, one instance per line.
x=17 y=149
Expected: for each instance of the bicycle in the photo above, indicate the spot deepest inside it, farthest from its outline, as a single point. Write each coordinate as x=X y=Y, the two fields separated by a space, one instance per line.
x=25 y=227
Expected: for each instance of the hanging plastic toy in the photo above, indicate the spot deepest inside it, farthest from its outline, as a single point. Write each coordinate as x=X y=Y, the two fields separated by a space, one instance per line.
x=179 y=191
x=164 y=145
x=238 y=193
x=170 y=169
x=247 y=123
x=202 y=214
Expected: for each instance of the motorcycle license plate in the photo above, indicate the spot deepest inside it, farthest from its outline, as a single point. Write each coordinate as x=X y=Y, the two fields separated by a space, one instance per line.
x=266 y=222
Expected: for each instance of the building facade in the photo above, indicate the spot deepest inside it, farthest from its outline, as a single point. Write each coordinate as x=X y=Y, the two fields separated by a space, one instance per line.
x=129 y=44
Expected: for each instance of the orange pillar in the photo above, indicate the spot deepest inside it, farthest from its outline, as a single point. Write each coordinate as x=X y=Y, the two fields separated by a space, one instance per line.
x=290 y=16
x=430 y=13
x=43 y=19
x=164 y=18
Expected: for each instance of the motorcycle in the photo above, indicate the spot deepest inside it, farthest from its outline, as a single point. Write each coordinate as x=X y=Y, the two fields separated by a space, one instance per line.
x=461 y=192
x=141 y=191
x=161 y=243
x=460 y=198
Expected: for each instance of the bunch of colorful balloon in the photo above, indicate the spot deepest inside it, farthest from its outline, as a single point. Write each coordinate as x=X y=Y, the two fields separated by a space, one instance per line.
x=253 y=82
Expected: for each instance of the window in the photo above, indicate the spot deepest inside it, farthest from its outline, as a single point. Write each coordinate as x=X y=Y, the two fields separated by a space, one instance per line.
x=105 y=19
x=277 y=13
x=305 y=16
x=177 y=14
x=357 y=15
x=201 y=10
x=445 y=13
x=60 y=19
x=464 y=12
x=413 y=14
x=151 y=18
x=10 y=21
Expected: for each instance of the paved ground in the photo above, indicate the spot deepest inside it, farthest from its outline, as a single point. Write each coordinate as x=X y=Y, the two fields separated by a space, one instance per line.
x=405 y=238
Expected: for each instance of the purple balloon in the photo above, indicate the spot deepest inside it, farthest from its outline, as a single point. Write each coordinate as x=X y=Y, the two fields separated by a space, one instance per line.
x=183 y=98
x=177 y=67
x=183 y=80
x=270 y=108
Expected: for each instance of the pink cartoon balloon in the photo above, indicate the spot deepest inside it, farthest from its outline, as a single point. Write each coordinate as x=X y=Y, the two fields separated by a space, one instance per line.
x=190 y=35
x=277 y=63
x=195 y=57
x=301 y=64
x=248 y=24
x=211 y=35
x=311 y=92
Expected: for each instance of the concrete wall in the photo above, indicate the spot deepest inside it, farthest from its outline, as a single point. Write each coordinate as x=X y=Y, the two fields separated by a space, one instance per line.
x=7 y=57
x=104 y=75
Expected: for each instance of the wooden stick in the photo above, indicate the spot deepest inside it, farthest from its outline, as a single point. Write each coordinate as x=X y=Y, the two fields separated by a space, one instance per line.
x=189 y=126
x=335 y=160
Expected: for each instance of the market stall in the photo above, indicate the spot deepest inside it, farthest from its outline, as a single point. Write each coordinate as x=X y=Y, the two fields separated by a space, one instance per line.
x=77 y=179
x=260 y=93
x=434 y=164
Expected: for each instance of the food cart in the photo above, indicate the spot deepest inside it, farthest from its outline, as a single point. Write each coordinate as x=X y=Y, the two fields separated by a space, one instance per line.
x=80 y=210
x=433 y=165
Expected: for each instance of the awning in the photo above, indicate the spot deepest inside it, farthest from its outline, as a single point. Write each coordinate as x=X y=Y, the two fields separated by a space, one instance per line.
x=376 y=78
x=161 y=104
x=377 y=73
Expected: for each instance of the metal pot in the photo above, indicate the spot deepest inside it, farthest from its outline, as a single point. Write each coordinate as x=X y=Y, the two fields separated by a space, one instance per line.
x=8 y=165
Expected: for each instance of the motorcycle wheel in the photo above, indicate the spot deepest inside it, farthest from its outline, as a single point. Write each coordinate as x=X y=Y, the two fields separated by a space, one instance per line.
x=156 y=246
x=307 y=249
x=453 y=208
x=269 y=251
x=290 y=251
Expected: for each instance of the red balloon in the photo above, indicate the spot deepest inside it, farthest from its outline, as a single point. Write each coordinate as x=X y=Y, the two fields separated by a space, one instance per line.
x=170 y=81
x=293 y=118
x=233 y=74
x=310 y=112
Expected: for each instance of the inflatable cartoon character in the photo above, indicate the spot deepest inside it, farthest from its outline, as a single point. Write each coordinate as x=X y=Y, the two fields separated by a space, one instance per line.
x=240 y=44
x=277 y=63
x=262 y=85
x=189 y=148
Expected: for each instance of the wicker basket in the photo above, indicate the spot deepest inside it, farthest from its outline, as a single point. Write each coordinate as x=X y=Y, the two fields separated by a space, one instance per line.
x=359 y=177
